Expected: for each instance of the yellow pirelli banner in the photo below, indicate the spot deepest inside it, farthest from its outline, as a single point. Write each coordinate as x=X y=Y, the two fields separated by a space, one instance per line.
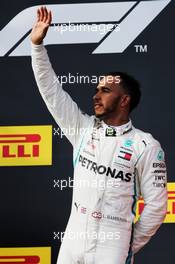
x=32 y=255
x=25 y=145
x=170 y=217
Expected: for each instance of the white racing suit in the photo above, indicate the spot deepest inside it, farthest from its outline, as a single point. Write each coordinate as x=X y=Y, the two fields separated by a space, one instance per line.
x=113 y=166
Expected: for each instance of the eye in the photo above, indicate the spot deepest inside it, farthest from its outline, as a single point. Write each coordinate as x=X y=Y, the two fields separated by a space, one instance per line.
x=106 y=89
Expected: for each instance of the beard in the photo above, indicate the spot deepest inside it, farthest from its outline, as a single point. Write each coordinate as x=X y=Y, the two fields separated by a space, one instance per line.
x=108 y=111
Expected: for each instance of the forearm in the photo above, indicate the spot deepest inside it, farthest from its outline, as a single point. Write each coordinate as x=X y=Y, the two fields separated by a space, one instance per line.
x=44 y=75
x=149 y=222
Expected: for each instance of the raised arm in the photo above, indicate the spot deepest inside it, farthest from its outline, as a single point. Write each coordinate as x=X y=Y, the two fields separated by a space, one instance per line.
x=64 y=110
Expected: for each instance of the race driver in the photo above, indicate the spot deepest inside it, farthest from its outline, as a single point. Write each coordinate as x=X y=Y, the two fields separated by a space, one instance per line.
x=117 y=162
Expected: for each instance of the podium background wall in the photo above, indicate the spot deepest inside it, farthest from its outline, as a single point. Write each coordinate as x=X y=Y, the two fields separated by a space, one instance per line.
x=32 y=209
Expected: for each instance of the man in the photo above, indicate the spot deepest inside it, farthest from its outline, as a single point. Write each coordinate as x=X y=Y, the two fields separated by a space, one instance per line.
x=117 y=162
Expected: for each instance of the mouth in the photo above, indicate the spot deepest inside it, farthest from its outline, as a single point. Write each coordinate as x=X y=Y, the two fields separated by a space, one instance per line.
x=96 y=106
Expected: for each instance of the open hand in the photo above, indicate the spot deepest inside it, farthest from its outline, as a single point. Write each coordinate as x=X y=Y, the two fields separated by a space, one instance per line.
x=40 y=28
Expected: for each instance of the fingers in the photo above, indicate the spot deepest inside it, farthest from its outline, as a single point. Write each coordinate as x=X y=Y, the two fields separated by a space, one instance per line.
x=49 y=19
x=43 y=15
x=45 y=12
x=38 y=15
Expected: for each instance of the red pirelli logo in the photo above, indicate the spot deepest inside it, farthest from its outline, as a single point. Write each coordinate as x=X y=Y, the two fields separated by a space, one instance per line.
x=31 y=147
x=18 y=139
x=34 y=255
x=20 y=259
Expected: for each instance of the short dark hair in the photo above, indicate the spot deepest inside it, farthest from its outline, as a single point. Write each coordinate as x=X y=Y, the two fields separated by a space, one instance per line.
x=131 y=86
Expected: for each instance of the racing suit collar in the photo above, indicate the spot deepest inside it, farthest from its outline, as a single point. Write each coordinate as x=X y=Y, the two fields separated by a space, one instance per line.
x=120 y=130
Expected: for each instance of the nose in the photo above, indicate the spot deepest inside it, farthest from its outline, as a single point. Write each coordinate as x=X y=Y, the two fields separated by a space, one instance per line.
x=96 y=97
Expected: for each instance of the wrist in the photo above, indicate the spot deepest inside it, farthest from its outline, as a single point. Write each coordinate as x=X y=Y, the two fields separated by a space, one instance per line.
x=37 y=42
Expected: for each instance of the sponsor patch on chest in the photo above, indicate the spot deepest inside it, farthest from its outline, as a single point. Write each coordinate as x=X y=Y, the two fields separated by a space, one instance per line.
x=124 y=158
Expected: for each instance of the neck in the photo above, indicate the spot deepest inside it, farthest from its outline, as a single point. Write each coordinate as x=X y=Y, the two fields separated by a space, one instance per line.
x=117 y=120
